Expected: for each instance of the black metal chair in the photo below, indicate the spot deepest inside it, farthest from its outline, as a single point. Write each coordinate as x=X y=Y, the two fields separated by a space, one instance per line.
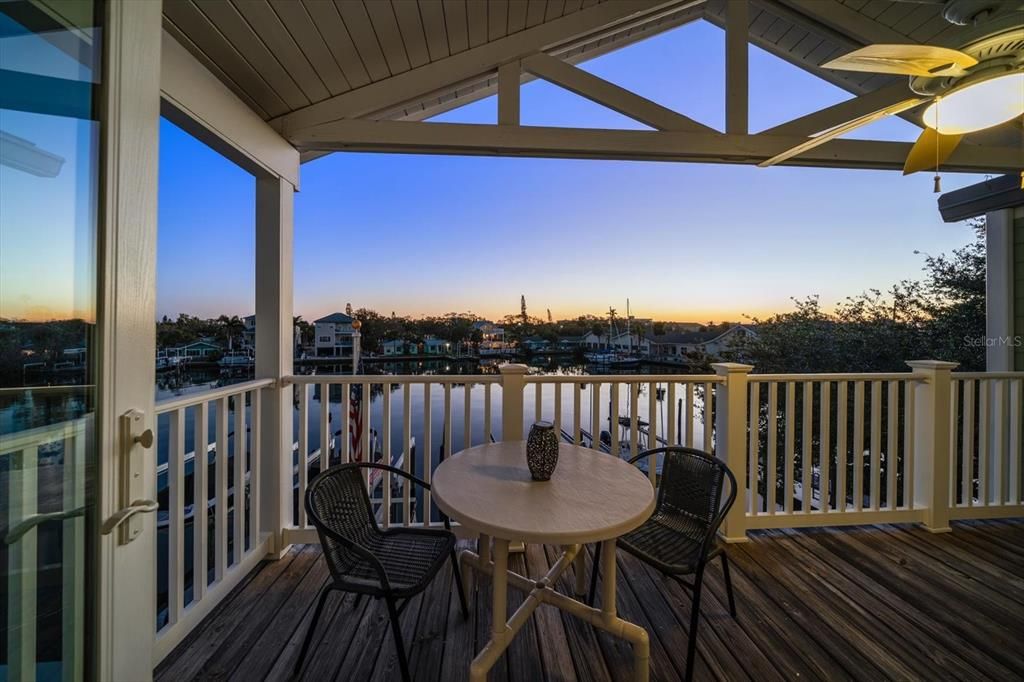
x=394 y=564
x=680 y=537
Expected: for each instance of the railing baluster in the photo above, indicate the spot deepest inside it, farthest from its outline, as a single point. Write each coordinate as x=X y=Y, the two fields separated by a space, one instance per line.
x=957 y=462
x=890 y=454
x=984 y=386
x=448 y=437
x=670 y=414
x=595 y=415
x=175 y=515
x=967 y=489
x=239 y=478
x=200 y=494
x=773 y=445
x=302 y=456
x=487 y=413
x=634 y=421
x=221 y=470
x=652 y=427
x=254 y=469
x=385 y=444
x=344 y=415
x=613 y=418
x=825 y=453
x=842 y=445
x=410 y=455
x=996 y=495
x=1016 y=441
x=22 y=559
x=467 y=416
x=538 y=402
x=908 y=444
x=73 y=555
x=323 y=458
x=428 y=452
x=807 y=457
x=365 y=404
x=753 y=456
x=876 y=443
x=688 y=416
x=709 y=416
x=558 y=411
x=577 y=438
x=858 y=445
x=789 y=455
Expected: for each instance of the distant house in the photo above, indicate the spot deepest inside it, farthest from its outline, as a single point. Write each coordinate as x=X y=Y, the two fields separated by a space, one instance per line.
x=435 y=346
x=395 y=347
x=711 y=342
x=534 y=343
x=335 y=335
x=489 y=331
x=203 y=348
x=622 y=341
x=571 y=341
x=249 y=332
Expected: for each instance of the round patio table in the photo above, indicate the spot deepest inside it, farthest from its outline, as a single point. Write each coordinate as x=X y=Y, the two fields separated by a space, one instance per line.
x=591 y=497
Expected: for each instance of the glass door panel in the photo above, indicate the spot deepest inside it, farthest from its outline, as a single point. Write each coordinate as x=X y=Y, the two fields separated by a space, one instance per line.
x=49 y=164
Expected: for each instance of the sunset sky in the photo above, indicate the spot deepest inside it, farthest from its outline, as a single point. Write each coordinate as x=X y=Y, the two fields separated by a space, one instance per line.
x=423 y=235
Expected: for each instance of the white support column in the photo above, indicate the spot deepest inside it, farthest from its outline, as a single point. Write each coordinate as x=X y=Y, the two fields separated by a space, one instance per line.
x=274 y=234
x=999 y=290
x=932 y=445
x=512 y=386
x=731 y=445
x=737 y=31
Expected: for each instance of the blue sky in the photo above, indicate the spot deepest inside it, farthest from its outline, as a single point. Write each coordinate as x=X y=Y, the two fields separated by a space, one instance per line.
x=422 y=235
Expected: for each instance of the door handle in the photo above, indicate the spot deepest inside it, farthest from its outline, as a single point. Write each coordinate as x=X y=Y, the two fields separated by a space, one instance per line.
x=15 y=532
x=137 y=507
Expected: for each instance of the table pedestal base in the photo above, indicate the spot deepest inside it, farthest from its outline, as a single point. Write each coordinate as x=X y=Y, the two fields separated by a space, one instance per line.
x=541 y=592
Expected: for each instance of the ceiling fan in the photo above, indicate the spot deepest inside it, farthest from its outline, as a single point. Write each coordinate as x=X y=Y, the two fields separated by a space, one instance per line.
x=977 y=87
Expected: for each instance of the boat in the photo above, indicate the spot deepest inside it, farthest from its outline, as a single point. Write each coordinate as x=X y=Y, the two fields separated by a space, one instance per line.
x=236 y=359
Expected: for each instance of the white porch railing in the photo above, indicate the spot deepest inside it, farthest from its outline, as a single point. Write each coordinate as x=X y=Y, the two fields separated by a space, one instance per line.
x=44 y=464
x=209 y=502
x=810 y=450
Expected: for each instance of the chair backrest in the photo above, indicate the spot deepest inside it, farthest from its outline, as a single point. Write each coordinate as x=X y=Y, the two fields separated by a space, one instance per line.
x=338 y=504
x=691 y=489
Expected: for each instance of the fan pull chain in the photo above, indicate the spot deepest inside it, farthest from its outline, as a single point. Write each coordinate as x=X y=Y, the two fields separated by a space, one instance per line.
x=938 y=142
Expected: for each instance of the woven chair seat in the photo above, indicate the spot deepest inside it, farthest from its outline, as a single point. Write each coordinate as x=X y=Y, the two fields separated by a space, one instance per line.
x=667 y=544
x=410 y=557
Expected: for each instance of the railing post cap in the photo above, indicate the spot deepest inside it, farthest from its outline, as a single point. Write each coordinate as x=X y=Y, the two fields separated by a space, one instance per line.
x=932 y=364
x=513 y=368
x=731 y=368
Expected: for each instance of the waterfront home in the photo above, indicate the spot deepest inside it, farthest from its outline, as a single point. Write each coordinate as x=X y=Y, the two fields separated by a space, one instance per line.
x=489 y=332
x=432 y=345
x=123 y=560
x=710 y=342
x=395 y=347
x=335 y=336
x=619 y=342
x=203 y=348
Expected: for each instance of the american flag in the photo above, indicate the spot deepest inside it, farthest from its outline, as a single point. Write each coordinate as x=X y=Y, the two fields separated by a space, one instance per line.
x=355 y=423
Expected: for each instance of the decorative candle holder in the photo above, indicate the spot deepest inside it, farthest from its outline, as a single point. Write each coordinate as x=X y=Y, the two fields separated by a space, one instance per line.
x=542 y=450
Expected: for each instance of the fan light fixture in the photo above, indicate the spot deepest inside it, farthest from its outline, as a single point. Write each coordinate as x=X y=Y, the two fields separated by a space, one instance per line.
x=978 y=105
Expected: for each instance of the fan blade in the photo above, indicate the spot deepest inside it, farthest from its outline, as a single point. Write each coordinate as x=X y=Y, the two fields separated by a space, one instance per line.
x=824 y=136
x=930 y=151
x=908 y=60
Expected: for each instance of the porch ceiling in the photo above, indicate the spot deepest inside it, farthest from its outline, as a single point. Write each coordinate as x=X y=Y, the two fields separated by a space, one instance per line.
x=299 y=63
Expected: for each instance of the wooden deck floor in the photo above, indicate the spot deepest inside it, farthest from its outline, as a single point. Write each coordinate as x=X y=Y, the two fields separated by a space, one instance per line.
x=869 y=603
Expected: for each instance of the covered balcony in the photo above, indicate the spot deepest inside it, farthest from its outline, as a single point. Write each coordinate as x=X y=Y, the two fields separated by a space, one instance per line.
x=877 y=528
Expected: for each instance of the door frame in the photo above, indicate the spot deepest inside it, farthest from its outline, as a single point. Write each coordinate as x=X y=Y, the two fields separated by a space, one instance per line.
x=124 y=613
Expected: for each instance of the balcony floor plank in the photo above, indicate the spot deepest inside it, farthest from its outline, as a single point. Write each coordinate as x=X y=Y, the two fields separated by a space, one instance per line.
x=861 y=603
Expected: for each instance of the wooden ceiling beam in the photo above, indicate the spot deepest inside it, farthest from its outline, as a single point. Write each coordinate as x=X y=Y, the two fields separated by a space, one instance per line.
x=614 y=97
x=837 y=114
x=640 y=145
x=577 y=27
